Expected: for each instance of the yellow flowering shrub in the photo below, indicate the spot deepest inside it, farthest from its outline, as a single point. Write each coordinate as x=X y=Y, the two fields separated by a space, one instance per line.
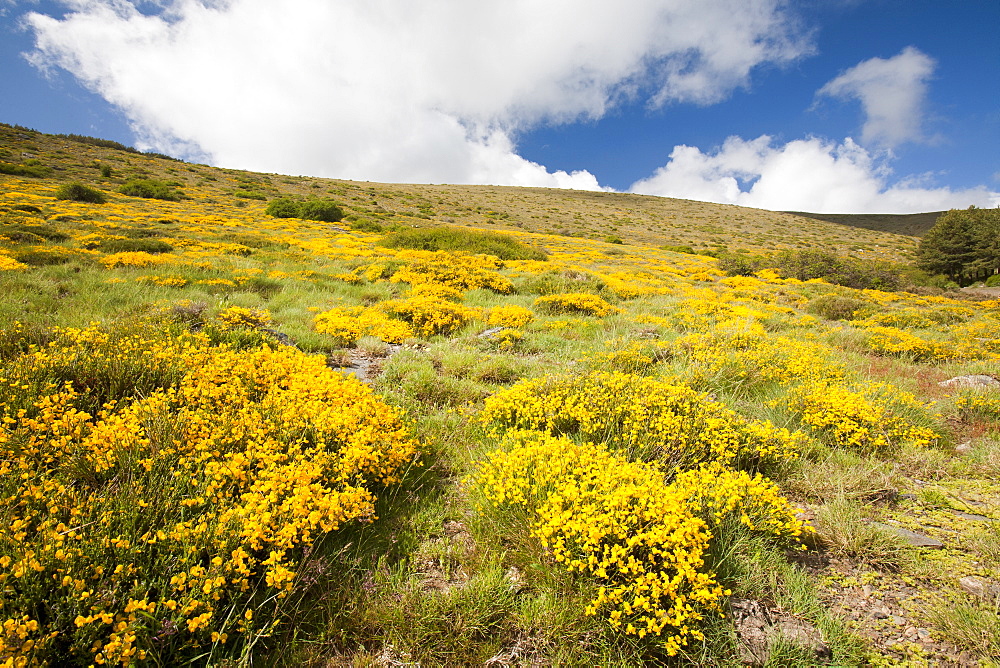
x=134 y=259
x=240 y=317
x=459 y=271
x=509 y=316
x=614 y=520
x=430 y=315
x=981 y=405
x=153 y=514
x=348 y=324
x=163 y=281
x=7 y=263
x=578 y=302
x=900 y=343
x=875 y=417
x=646 y=418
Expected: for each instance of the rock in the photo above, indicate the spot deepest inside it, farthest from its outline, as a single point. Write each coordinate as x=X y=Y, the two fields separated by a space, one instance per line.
x=912 y=537
x=757 y=627
x=973 y=516
x=963 y=448
x=977 y=587
x=975 y=380
x=516 y=579
x=490 y=332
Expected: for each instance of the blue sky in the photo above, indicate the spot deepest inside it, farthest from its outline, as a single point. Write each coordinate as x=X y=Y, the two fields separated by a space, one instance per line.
x=836 y=105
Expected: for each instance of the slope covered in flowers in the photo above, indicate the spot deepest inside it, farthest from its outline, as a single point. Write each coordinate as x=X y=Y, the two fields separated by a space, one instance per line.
x=626 y=426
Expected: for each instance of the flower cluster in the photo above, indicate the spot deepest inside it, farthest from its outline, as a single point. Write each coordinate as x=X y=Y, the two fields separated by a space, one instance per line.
x=348 y=324
x=134 y=259
x=509 y=316
x=429 y=315
x=247 y=318
x=151 y=514
x=646 y=418
x=460 y=271
x=979 y=405
x=875 y=417
x=577 y=302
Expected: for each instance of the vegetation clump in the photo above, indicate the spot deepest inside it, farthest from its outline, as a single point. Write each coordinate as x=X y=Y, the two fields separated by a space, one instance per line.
x=135 y=246
x=964 y=245
x=498 y=245
x=324 y=210
x=77 y=192
x=151 y=189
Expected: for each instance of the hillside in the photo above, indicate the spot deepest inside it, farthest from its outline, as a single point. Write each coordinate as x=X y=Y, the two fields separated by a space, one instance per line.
x=233 y=439
x=908 y=224
x=635 y=219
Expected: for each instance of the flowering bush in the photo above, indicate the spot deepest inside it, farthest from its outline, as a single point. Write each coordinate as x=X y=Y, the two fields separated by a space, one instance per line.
x=8 y=263
x=579 y=302
x=429 y=315
x=455 y=270
x=645 y=418
x=164 y=513
x=240 y=317
x=509 y=316
x=134 y=259
x=349 y=324
x=978 y=405
x=876 y=417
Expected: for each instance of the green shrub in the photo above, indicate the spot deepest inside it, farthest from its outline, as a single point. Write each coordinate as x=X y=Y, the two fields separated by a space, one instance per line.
x=612 y=239
x=45 y=257
x=993 y=281
x=135 y=246
x=105 y=171
x=34 y=171
x=496 y=244
x=679 y=249
x=321 y=209
x=77 y=192
x=39 y=231
x=283 y=207
x=835 y=307
x=558 y=282
x=150 y=189
x=249 y=194
x=27 y=208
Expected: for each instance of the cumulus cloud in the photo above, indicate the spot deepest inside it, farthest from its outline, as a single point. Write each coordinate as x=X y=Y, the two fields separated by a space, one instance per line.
x=395 y=90
x=892 y=92
x=803 y=175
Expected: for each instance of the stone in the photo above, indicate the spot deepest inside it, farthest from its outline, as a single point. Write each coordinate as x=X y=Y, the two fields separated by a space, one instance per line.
x=974 y=380
x=490 y=332
x=973 y=516
x=964 y=447
x=912 y=537
x=974 y=586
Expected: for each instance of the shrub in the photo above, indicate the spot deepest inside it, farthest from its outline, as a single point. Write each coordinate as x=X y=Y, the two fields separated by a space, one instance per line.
x=321 y=209
x=283 y=207
x=150 y=189
x=993 y=281
x=135 y=246
x=32 y=233
x=77 y=192
x=45 y=257
x=835 y=307
x=555 y=282
x=498 y=245
x=33 y=171
x=679 y=249
x=575 y=303
x=27 y=208
x=249 y=194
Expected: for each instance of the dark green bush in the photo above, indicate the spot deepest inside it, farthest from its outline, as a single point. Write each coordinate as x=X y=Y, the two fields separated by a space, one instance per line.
x=150 y=189
x=325 y=210
x=836 y=307
x=366 y=225
x=249 y=194
x=105 y=171
x=283 y=207
x=27 y=208
x=559 y=282
x=679 y=249
x=41 y=258
x=34 y=171
x=135 y=246
x=612 y=239
x=77 y=192
x=499 y=245
x=805 y=265
x=33 y=233
x=993 y=281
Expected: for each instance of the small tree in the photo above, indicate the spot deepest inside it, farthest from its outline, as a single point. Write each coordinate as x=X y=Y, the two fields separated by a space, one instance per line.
x=963 y=245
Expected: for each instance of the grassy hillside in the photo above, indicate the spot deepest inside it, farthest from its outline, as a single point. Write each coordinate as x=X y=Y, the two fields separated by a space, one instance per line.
x=909 y=224
x=234 y=439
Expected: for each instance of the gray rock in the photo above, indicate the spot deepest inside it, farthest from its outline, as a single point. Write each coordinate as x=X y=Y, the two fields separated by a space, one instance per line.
x=975 y=380
x=490 y=332
x=974 y=586
x=973 y=516
x=912 y=537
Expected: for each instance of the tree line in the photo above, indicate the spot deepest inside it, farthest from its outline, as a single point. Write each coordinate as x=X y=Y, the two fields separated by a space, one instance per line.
x=964 y=245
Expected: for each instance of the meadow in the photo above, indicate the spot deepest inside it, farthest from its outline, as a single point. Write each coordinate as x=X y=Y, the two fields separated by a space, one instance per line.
x=235 y=439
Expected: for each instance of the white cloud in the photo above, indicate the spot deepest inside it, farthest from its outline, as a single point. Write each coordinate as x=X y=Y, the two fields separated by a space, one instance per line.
x=892 y=93
x=803 y=175
x=396 y=90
